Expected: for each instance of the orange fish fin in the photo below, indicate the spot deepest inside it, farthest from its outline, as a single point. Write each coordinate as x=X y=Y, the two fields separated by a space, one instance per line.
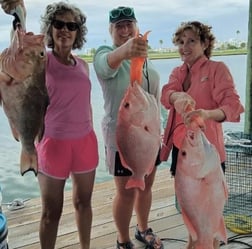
x=137 y=64
x=145 y=36
x=135 y=183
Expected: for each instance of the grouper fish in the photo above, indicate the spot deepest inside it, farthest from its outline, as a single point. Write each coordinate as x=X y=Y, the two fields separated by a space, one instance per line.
x=23 y=93
x=138 y=128
x=201 y=191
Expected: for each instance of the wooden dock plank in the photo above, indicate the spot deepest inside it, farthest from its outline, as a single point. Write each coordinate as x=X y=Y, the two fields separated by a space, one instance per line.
x=23 y=224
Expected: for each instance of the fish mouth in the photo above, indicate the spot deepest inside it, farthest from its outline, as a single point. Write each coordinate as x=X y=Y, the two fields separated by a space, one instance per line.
x=191 y=137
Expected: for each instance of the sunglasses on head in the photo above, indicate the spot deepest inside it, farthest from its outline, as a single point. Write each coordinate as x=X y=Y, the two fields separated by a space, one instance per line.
x=126 y=11
x=71 y=26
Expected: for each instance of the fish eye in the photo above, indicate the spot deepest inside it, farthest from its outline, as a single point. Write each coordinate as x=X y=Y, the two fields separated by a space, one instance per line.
x=192 y=136
x=42 y=54
x=126 y=105
x=183 y=153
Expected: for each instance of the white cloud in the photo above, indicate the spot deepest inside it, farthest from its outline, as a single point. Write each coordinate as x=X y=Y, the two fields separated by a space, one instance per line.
x=161 y=16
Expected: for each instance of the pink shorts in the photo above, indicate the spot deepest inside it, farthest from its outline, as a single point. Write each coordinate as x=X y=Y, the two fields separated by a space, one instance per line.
x=58 y=158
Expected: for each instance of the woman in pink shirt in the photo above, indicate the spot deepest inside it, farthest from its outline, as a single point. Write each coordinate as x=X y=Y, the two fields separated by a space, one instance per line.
x=69 y=144
x=204 y=84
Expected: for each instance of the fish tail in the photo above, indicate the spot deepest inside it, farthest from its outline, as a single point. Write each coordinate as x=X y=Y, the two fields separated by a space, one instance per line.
x=28 y=162
x=135 y=183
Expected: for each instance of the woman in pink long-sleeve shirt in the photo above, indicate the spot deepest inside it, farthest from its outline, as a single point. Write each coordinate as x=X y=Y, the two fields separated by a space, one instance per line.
x=203 y=83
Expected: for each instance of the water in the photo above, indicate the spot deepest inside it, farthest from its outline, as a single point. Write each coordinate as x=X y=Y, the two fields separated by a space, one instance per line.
x=16 y=186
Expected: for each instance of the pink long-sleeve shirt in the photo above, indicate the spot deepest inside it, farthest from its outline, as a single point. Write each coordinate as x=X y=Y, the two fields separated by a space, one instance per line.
x=212 y=87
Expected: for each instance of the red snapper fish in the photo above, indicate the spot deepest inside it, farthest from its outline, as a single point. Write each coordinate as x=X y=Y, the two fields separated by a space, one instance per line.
x=23 y=93
x=138 y=128
x=201 y=190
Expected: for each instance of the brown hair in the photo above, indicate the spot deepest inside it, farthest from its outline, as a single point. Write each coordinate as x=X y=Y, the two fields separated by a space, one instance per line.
x=203 y=31
x=61 y=8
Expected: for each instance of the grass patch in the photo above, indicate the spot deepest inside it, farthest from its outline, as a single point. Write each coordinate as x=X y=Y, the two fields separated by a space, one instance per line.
x=170 y=55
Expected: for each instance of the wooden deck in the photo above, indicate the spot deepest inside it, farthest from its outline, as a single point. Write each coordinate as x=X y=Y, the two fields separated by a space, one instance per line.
x=23 y=224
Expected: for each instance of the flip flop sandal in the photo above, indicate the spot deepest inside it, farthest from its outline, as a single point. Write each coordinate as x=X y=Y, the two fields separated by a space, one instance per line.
x=150 y=244
x=125 y=245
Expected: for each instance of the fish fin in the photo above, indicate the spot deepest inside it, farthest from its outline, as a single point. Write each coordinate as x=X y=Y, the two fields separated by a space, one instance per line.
x=189 y=226
x=222 y=232
x=225 y=187
x=19 y=12
x=135 y=183
x=28 y=162
x=42 y=127
x=150 y=170
x=4 y=78
x=137 y=64
x=14 y=132
x=179 y=136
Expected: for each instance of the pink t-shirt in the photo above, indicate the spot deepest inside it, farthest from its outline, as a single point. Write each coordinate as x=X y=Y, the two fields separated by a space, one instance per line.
x=69 y=112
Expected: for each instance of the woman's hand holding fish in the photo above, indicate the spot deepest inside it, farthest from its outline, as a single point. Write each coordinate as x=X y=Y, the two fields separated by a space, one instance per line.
x=195 y=118
x=135 y=47
x=185 y=105
x=181 y=101
x=132 y=48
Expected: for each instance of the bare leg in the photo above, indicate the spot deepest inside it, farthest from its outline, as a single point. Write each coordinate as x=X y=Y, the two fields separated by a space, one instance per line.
x=82 y=194
x=142 y=205
x=122 y=208
x=52 y=203
x=143 y=202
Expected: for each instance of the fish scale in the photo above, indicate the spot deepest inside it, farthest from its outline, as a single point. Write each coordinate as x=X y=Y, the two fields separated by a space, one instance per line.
x=138 y=127
x=23 y=93
x=201 y=190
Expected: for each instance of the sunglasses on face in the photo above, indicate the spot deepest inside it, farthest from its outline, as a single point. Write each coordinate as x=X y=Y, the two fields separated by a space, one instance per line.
x=126 y=11
x=71 y=26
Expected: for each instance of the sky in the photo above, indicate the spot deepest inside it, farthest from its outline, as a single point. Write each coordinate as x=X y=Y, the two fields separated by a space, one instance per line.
x=162 y=17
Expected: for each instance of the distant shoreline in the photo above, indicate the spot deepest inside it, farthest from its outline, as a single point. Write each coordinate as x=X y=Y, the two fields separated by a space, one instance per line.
x=172 y=55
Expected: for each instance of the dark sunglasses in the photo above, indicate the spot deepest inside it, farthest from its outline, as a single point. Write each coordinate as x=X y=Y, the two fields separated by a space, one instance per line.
x=126 y=11
x=71 y=26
